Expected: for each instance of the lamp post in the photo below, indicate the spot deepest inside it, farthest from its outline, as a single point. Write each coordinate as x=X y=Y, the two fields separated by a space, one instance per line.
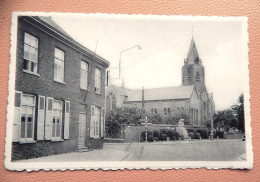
x=138 y=46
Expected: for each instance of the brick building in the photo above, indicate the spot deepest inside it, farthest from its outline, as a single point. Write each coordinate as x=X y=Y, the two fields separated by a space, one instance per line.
x=59 y=92
x=190 y=99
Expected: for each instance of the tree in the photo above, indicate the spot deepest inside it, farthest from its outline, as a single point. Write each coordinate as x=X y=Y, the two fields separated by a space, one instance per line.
x=239 y=109
x=224 y=119
x=115 y=118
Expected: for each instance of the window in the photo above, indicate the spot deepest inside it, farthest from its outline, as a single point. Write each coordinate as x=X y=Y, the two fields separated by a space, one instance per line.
x=27 y=117
x=98 y=80
x=57 y=119
x=178 y=111
x=152 y=111
x=169 y=111
x=84 y=75
x=189 y=72
x=155 y=111
x=113 y=102
x=165 y=111
x=198 y=77
x=97 y=122
x=182 y=111
x=59 y=65
x=108 y=103
x=30 y=54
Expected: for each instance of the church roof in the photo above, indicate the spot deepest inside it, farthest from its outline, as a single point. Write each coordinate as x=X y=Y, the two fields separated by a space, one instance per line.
x=167 y=93
x=193 y=53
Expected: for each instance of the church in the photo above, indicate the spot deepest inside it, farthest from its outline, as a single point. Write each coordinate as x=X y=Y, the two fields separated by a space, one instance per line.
x=190 y=99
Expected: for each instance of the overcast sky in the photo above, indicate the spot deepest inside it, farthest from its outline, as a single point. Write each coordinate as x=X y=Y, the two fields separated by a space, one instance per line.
x=164 y=45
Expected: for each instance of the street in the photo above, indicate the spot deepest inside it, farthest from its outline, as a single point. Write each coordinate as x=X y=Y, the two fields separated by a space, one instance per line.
x=196 y=150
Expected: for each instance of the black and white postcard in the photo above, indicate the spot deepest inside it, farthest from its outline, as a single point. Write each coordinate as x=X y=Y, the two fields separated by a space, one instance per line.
x=106 y=91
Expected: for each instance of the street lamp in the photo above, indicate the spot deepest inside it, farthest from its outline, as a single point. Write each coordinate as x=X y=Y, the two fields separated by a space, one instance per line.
x=138 y=46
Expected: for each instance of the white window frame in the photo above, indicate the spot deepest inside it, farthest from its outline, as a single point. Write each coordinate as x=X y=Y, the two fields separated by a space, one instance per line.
x=97 y=122
x=54 y=129
x=84 y=75
x=23 y=104
x=98 y=80
x=59 y=65
x=27 y=44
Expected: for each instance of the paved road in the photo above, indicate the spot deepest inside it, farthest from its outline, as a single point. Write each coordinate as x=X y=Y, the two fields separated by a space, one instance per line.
x=222 y=150
x=196 y=150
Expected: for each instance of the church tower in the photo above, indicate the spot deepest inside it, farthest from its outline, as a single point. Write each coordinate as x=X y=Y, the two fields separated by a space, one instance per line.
x=193 y=70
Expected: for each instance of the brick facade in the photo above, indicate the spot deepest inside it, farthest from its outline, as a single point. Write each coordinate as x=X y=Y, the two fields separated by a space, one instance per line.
x=43 y=84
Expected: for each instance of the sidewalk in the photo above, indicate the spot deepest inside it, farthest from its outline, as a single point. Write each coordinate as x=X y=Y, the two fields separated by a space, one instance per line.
x=106 y=154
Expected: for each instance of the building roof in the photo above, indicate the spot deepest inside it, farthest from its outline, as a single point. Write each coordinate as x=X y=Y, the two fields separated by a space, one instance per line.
x=193 y=53
x=50 y=23
x=167 y=93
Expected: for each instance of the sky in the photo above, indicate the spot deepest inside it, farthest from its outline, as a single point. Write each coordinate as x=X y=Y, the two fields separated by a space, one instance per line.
x=164 y=42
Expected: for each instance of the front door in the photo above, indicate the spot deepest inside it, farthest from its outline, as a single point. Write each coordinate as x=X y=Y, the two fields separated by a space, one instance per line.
x=82 y=130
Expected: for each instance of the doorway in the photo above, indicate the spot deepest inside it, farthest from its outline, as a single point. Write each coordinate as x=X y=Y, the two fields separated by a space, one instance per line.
x=82 y=130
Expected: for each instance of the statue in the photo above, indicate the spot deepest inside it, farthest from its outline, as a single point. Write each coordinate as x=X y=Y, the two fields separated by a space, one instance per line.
x=181 y=130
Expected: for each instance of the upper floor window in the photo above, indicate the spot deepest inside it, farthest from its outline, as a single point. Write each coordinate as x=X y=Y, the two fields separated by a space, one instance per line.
x=198 y=77
x=169 y=111
x=59 y=65
x=30 y=53
x=152 y=111
x=98 y=80
x=165 y=111
x=84 y=75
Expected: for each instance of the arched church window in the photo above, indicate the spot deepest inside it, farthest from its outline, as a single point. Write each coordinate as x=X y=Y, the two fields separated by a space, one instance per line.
x=189 y=72
x=169 y=111
x=182 y=111
x=198 y=77
x=204 y=107
x=165 y=111
x=152 y=111
x=113 y=102
x=108 y=103
x=155 y=111
x=178 y=111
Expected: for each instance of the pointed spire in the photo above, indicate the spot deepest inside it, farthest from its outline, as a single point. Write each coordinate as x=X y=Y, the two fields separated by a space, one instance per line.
x=192 y=55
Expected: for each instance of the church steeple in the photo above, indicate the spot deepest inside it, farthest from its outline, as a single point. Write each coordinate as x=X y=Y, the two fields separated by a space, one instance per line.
x=193 y=70
x=192 y=56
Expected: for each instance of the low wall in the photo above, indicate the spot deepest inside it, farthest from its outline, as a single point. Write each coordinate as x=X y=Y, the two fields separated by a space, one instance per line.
x=132 y=133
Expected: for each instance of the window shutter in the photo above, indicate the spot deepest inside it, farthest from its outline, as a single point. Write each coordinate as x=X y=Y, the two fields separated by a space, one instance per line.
x=49 y=118
x=17 y=116
x=92 y=122
x=102 y=123
x=40 y=117
x=67 y=120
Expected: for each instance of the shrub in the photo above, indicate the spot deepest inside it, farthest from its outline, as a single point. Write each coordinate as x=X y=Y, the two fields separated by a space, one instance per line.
x=163 y=137
x=220 y=134
x=191 y=135
x=156 y=134
x=170 y=134
x=197 y=135
x=150 y=138
x=149 y=133
x=141 y=139
x=156 y=139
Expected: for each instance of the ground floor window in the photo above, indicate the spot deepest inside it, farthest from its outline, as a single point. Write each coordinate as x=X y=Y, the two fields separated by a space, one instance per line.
x=33 y=121
x=27 y=116
x=57 y=118
x=97 y=122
